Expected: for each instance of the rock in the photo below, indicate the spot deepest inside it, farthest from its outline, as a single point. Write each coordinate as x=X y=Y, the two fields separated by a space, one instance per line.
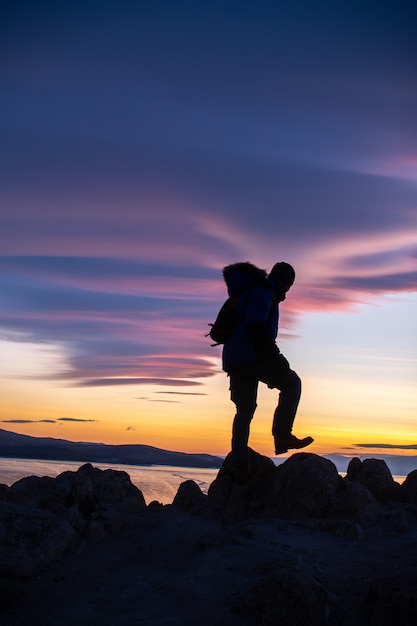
x=355 y=502
x=230 y=557
x=189 y=497
x=259 y=465
x=86 y=498
x=304 y=487
x=155 y=505
x=90 y=486
x=389 y=599
x=341 y=528
x=32 y=490
x=228 y=499
x=354 y=470
x=31 y=538
x=375 y=476
x=403 y=517
x=409 y=488
x=40 y=518
x=287 y=594
x=4 y=492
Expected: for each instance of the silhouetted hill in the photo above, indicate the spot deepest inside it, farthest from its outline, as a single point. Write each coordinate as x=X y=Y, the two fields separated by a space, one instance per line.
x=14 y=445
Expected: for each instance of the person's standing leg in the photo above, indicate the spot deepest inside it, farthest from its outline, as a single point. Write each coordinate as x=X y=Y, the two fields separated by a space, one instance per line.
x=243 y=393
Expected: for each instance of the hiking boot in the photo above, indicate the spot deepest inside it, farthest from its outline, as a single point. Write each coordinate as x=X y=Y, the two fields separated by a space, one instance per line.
x=287 y=442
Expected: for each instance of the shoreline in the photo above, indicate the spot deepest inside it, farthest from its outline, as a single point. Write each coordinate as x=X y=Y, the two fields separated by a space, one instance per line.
x=149 y=466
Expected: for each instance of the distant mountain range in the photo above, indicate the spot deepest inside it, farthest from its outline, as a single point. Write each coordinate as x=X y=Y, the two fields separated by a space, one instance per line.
x=14 y=445
x=399 y=465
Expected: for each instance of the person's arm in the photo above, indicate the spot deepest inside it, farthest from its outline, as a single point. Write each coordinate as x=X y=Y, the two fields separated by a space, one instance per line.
x=257 y=314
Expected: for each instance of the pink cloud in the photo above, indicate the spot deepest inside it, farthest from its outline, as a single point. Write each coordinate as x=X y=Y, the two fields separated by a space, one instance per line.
x=402 y=166
x=107 y=382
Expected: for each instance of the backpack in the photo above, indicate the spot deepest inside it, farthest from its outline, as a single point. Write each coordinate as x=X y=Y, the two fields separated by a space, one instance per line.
x=226 y=320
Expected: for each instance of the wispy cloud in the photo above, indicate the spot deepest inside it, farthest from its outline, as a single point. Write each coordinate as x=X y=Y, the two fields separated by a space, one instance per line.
x=118 y=222
x=396 y=446
x=182 y=393
x=121 y=321
x=104 y=382
x=25 y=421
x=74 y=419
x=48 y=421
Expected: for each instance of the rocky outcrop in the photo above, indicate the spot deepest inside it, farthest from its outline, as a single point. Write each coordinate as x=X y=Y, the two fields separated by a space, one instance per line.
x=304 y=487
x=297 y=544
x=410 y=488
x=42 y=517
x=189 y=497
x=32 y=538
x=376 y=477
x=292 y=592
x=228 y=499
x=287 y=593
x=307 y=488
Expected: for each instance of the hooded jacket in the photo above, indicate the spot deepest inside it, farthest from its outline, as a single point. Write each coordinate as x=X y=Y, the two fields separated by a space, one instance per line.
x=256 y=312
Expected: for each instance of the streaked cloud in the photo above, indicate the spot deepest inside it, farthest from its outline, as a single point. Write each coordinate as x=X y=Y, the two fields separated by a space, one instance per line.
x=181 y=393
x=25 y=421
x=397 y=446
x=74 y=419
x=127 y=322
x=108 y=382
x=126 y=186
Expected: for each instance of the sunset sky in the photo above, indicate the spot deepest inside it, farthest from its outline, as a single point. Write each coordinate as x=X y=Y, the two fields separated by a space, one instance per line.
x=147 y=144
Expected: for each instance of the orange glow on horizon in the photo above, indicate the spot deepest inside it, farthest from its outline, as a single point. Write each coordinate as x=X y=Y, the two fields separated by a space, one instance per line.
x=350 y=395
x=185 y=423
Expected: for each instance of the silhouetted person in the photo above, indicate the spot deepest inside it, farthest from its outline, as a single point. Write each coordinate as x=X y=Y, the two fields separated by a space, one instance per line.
x=251 y=356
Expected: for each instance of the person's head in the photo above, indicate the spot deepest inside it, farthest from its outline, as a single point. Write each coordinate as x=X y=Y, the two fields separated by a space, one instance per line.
x=283 y=275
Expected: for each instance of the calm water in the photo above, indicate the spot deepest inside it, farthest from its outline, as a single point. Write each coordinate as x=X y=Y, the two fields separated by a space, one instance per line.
x=157 y=482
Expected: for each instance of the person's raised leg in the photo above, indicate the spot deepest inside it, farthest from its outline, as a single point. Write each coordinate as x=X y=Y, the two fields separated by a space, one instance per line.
x=284 y=416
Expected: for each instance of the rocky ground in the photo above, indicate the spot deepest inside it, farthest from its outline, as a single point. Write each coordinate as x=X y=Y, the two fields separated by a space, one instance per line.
x=296 y=545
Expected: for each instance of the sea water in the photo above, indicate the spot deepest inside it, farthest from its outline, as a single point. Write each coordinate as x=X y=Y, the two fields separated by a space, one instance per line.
x=156 y=482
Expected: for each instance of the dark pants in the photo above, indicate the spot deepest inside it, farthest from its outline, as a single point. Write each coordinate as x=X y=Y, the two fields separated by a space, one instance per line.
x=244 y=381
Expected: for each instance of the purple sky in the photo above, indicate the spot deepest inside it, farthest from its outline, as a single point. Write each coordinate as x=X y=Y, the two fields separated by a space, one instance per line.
x=145 y=145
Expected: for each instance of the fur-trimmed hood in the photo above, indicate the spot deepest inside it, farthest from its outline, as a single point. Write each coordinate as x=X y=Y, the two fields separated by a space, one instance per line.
x=242 y=276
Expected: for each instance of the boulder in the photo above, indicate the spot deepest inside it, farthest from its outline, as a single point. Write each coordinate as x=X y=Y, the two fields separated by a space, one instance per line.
x=288 y=593
x=304 y=487
x=87 y=498
x=32 y=490
x=355 y=503
x=376 y=477
x=389 y=599
x=409 y=488
x=4 y=492
x=228 y=499
x=189 y=497
x=40 y=518
x=30 y=538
